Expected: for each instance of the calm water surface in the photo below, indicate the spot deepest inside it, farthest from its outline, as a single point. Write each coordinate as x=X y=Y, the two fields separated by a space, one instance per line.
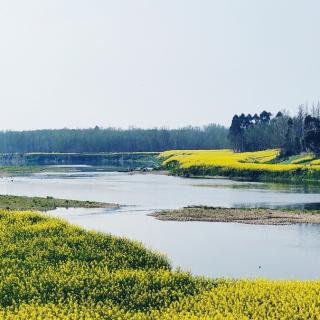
x=211 y=249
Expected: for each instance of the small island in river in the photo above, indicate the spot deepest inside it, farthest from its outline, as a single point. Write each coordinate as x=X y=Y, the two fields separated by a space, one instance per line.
x=240 y=215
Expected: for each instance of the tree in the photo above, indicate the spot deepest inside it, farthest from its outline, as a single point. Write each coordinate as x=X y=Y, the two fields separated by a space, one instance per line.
x=312 y=136
x=236 y=133
x=99 y=139
x=252 y=133
x=265 y=116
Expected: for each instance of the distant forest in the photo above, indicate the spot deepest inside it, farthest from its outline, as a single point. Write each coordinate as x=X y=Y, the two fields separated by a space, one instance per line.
x=114 y=140
x=293 y=135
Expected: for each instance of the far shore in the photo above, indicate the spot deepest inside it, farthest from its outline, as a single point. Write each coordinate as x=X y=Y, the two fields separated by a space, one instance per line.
x=243 y=215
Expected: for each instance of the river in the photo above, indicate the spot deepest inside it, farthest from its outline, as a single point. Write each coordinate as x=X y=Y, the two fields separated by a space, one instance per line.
x=229 y=250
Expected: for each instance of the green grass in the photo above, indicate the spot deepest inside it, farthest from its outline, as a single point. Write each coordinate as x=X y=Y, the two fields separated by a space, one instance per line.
x=22 y=169
x=9 y=202
x=303 y=158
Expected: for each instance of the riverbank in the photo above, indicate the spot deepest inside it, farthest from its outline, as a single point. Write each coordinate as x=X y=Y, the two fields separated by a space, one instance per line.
x=22 y=203
x=247 y=216
x=53 y=270
x=119 y=159
x=255 y=166
x=12 y=171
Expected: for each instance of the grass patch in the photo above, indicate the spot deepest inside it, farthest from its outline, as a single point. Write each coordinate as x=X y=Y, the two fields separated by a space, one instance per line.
x=9 y=202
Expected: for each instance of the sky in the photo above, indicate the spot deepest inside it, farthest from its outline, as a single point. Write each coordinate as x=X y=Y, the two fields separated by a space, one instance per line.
x=148 y=63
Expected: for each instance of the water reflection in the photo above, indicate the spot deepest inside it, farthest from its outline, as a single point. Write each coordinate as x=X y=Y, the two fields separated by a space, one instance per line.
x=284 y=205
x=263 y=186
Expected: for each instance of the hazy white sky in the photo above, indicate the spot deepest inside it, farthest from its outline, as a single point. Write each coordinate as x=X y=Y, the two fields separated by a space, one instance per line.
x=80 y=63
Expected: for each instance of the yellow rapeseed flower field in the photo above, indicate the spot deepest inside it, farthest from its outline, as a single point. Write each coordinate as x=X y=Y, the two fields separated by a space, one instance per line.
x=315 y=162
x=229 y=163
x=52 y=270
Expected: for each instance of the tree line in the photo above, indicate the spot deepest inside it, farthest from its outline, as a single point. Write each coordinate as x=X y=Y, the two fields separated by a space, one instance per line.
x=292 y=135
x=114 y=140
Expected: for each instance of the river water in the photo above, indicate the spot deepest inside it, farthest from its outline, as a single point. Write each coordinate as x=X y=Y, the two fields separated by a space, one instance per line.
x=204 y=248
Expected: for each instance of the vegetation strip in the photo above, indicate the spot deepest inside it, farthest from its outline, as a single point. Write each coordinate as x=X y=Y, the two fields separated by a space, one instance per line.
x=102 y=159
x=52 y=270
x=248 y=216
x=258 y=165
x=49 y=203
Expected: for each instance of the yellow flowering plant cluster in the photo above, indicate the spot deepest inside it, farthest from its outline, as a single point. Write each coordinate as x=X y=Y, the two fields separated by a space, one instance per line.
x=304 y=159
x=315 y=162
x=52 y=270
x=229 y=163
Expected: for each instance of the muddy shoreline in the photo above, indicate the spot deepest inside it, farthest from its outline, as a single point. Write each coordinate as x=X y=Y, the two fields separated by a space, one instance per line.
x=243 y=215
